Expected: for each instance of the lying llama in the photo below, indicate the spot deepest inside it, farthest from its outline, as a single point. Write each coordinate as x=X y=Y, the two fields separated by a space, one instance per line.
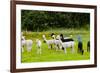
x=49 y=42
x=38 y=46
x=66 y=44
x=27 y=43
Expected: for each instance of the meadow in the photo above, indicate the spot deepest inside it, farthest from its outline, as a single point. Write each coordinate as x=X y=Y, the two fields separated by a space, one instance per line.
x=49 y=55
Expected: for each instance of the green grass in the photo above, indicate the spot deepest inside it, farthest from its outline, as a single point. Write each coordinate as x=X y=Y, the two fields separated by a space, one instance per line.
x=49 y=55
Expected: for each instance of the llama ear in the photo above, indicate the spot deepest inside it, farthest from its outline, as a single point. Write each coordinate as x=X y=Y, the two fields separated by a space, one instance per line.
x=52 y=34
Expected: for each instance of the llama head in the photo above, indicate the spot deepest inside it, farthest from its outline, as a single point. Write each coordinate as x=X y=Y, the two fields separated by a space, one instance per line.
x=58 y=37
x=53 y=36
x=44 y=38
x=61 y=36
x=23 y=38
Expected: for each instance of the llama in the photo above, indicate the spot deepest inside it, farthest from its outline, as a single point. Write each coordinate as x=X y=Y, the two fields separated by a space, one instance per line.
x=38 y=46
x=56 y=43
x=88 y=46
x=80 y=45
x=66 y=44
x=52 y=35
x=23 y=42
x=28 y=44
x=80 y=48
x=49 y=42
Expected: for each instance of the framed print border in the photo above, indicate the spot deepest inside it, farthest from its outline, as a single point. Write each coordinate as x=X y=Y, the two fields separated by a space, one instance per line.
x=13 y=35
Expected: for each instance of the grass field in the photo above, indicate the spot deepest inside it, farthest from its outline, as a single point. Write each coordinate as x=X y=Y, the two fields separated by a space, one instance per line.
x=49 y=55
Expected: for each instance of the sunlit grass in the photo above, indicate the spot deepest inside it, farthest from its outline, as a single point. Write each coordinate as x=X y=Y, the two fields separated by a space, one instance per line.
x=49 y=55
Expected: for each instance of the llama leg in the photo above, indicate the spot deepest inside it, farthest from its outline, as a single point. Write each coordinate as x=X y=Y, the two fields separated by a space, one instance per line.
x=49 y=46
x=65 y=50
x=72 y=49
x=78 y=50
x=60 y=47
x=22 y=49
x=37 y=51
x=88 y=49
x=29 y=48
x=56 y=47
x=40 y=50
x=82 y=51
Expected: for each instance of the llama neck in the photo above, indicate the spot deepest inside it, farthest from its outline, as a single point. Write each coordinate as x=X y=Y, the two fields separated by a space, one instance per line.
x=45 y=40
x=60 y=41
x=54 y=38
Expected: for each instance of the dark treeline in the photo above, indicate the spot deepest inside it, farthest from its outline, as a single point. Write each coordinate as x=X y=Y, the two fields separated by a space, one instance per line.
x=44 y=20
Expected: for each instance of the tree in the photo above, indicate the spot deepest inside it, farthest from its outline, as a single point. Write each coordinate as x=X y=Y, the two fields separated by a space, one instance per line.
x=44 y=20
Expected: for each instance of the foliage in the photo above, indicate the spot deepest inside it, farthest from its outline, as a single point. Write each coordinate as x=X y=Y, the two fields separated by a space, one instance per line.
x=44 y=20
